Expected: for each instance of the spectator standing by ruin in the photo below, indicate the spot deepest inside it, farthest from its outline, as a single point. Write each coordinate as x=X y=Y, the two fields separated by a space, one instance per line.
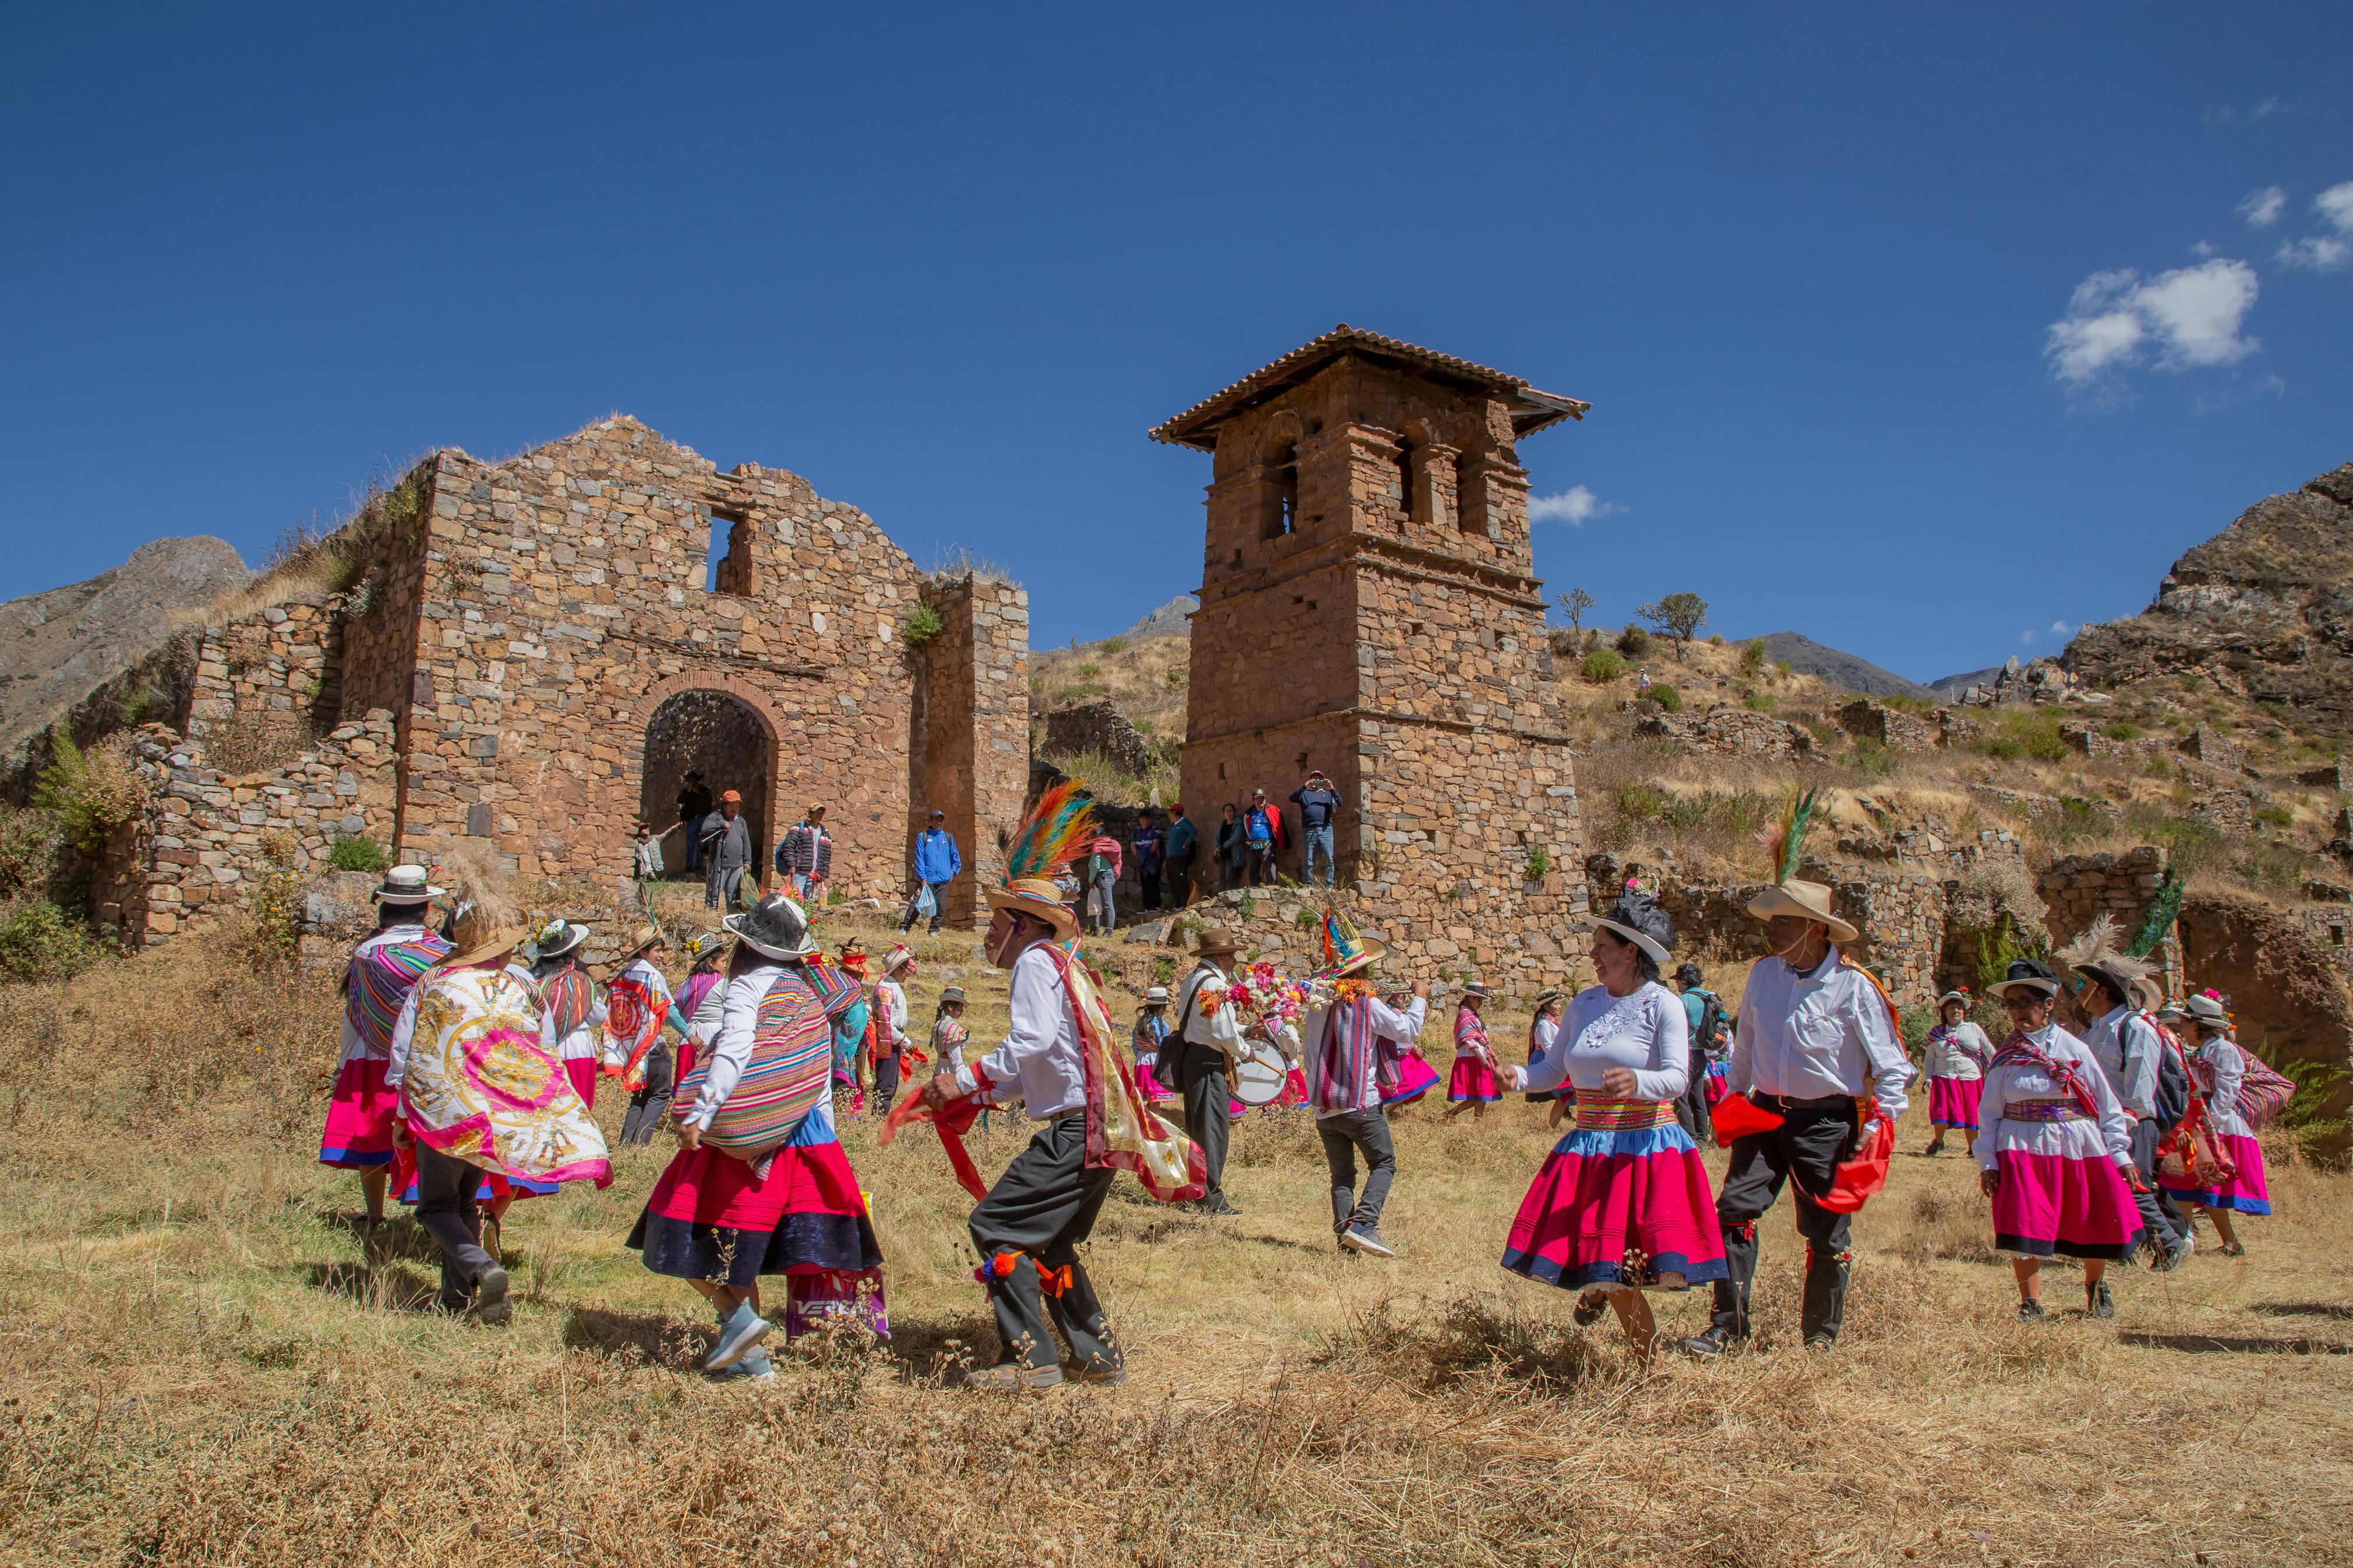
x=1148 y=842
x=1262 y=826
x=1319 y=808
x=1102 y=877
x=646 y=854
x=693 y=805
x=804 y=857
x=726 y=852
x=938 y=862
x=1182 y=839
x=1232 y=849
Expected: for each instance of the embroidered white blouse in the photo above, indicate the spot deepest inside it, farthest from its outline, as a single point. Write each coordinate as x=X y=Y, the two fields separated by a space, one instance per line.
x=1646 y=1030
x=2008 y=1083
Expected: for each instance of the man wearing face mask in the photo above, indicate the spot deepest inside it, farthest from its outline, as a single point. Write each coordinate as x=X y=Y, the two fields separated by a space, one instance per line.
x=1815 y=1039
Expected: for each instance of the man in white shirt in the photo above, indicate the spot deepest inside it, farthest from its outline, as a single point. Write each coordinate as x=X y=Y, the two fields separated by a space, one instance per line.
x=1815 y=1037
x=1204 y=1044
x=1029 y=1227
x=2125 y=1043
x=1342 y=1043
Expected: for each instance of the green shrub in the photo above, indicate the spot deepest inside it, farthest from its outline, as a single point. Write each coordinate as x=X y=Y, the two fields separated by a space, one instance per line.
x=1667 y=698
x=1089 y=671
x=1114 y=645
x=1752 y=657
x=1781 y=667
x=2120 y=730
x=2277 y=815
x=28 y=851
x=1633 y=642
x=1539 y=863
x=88 y=794
x=1876 y=759
x=1601 y=666
x=1640 y=801
x=357 y=852
x=921 y=624
x=39 y=941
x=1758 y=703
x=2003 y=750
x=1177 y=677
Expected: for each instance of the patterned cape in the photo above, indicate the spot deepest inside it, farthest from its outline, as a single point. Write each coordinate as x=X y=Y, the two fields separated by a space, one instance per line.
x=782 y=1081
x=1123 y=1131
x=482 y=1088
x=379 y=983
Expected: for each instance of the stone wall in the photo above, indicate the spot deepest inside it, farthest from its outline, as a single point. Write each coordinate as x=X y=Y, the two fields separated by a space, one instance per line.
x=2079 y=888
x=715 y=733
x=276 y=669
x=1733 y=731
x=1897 y=732
x=970 y=736
x=1097 y=726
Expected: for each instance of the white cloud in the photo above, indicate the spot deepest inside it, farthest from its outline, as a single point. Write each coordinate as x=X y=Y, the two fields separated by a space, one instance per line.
x=2224 y=113
x=2062 y=630
x=2336 y=205
x=1573 y=506
x=2026 y=637
x=2317 y=253
x=2262 y=208
x=2191 y=316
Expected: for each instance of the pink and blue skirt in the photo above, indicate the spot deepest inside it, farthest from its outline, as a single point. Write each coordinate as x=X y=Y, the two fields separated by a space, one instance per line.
x=493 y=1185
x=1713 y=1089
x=2054 y=1204
x=1953 y=1101
x=1473 y=1079
x=359 y=1118
x=2246 y=1192
x=1622 y=1200
x=1415 y=1077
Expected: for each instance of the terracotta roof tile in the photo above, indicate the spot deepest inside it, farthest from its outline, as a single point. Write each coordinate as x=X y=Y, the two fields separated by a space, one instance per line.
x=1191 y=428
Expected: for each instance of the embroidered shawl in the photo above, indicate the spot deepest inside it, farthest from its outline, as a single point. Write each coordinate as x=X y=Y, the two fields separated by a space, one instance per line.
x=2019 y=1048
x=1345 y=1072
x=1122 y=1133
x=380 y=981
x=633 y=1020
x=567 y=996
x=481 y=1088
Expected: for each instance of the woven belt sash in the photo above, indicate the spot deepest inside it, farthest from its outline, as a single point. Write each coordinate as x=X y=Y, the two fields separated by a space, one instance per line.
x=2043 y=1110
x=1595 y=1115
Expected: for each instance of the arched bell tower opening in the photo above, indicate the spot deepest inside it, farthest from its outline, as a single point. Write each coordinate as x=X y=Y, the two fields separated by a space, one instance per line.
x=730 y=742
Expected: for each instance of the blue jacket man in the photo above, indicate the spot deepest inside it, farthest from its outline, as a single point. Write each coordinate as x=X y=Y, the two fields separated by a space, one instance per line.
x=938 y=862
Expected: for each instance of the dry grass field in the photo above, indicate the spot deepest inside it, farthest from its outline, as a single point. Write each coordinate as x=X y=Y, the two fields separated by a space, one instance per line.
x=199 y=1363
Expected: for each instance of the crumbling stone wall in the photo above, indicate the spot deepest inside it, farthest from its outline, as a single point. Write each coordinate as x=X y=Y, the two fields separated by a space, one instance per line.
x=2079 y=888
x=278 y=667
x=1897 y=732
x=718 y=736
x=1097 y=726
x=1733 y=731
x=969 y=742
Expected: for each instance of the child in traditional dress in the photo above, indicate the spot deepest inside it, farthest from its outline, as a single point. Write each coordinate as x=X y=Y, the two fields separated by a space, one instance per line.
x=638 y=1011
x=853 y=1027
x=760 y=1185
x=384 y=968
x=1144 y=1040
x=1956 y=1058
x=1542 y=1030
x=698 y=999
x=1473 y=1087
x=1622 y=1203
x=1406 y=1074
x=2054 y=1148
x=890 y=1043
x=948 y=1033
x=2220 y=1064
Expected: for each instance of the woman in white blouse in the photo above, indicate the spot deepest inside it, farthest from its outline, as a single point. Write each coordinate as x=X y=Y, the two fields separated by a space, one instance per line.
x=1954 y=1058
x=1542 y=1030
x=2054 y=1152
x=1622 y=1203
x=2220 y=1064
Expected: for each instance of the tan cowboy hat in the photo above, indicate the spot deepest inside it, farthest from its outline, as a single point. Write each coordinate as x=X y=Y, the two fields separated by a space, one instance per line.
x=1807 y=900
x=1040 y=900
x=643 y=938
x=481 y=931
x=2205 y=1010
x=2148 y=995
x=1216 y=941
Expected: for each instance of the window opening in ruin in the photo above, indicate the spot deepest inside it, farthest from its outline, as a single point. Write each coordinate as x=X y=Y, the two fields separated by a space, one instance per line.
x=1404 y=484
x=1283 y=513
x=730 y=557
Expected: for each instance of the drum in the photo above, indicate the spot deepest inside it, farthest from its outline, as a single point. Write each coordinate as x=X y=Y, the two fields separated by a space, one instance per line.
x=1259 y=1076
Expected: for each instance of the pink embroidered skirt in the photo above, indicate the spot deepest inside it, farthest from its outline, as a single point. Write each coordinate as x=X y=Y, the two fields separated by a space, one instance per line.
x=713 y=1217
x=1622 y=1200
x=1416 y=1078
x=359 y=1118
x=1147 y=1084
x=1473 y=1079
x=2050 y=1203
x=2246 y=1192
x=1953 y=1101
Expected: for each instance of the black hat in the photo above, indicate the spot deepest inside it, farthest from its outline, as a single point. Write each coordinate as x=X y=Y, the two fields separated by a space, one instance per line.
x=2031 y=973
x=776 y=927
x=1639 y=920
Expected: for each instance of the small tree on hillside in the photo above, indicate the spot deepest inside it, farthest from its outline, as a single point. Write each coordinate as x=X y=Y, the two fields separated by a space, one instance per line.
x=1678 y=616
x=1574 y=604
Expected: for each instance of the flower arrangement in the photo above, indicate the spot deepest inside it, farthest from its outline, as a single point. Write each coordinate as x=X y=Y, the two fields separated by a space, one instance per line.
x=1266 y=994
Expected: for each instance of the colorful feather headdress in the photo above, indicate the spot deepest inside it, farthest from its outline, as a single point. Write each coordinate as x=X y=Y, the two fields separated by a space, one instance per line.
x=1056 y=832
x=2096 y=948
x=1784 y=840
x=1345 y=947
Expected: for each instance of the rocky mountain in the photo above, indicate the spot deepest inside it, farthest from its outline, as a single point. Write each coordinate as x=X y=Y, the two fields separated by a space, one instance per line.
x=1839 y=671
x=1948 y=687
x=1168 y=618
x=2263 y=611
x=56 y=647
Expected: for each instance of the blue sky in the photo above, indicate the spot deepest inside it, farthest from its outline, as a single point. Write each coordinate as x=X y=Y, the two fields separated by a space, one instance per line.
x=1925 y=331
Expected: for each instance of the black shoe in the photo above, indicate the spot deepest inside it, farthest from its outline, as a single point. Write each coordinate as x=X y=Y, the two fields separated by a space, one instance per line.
x=2030 y=1312
x=2097 y=1302
x=1589 y=1309
x=1216 y=1204
x=1823 y=1342
x=1712 y=1342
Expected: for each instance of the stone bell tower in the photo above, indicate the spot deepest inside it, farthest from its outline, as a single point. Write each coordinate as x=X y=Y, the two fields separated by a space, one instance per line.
x=1368 y=608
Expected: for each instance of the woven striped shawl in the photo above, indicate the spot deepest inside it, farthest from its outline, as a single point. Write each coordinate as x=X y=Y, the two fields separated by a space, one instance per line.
x=381 y=980
x=782 y=1082
x=567 y=996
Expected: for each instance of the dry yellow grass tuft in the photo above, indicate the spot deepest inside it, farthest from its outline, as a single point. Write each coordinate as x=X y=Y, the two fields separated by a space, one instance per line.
x=199 y=1362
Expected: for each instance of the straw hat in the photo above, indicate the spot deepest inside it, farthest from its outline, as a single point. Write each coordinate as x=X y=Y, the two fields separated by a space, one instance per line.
x=2032 y=973
x=1807 y=900
x=644 y=937
x=482 y=930
x=776 y=927
x=1037 y=898
x=2148 y=995
x=1347 y=949
x=406 y=885
x=897 y=957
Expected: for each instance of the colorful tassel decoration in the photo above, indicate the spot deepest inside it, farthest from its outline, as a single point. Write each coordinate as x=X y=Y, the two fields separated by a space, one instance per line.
x=1057 y=831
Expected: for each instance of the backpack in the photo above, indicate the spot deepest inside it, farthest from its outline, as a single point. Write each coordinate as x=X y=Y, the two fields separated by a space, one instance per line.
x=1710 y=1035
x=2172 y=1095
x=2263 y=1093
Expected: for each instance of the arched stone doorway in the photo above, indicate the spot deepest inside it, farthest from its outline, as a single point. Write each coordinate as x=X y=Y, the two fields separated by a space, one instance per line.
x=728 y=740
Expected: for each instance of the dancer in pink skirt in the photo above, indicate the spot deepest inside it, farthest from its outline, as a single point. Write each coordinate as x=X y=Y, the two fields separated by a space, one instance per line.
x=1956 y=1058
x=2220 y=1063
x=1473 y=1085
x=1406 y=1074
x=1622 y=1203
x=1151 y=1030
x=385 y=967
x=2054 y=1152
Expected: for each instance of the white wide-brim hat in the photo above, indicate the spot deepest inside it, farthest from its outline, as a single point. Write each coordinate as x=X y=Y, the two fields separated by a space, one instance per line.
x=1807 y=900
x=1649 y=944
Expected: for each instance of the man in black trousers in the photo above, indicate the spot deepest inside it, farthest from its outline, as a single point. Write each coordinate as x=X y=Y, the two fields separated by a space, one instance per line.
x=1205 y=1040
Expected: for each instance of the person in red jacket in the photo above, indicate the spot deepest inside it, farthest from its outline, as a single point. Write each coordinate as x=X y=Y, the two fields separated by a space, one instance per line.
x=1262 y=830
